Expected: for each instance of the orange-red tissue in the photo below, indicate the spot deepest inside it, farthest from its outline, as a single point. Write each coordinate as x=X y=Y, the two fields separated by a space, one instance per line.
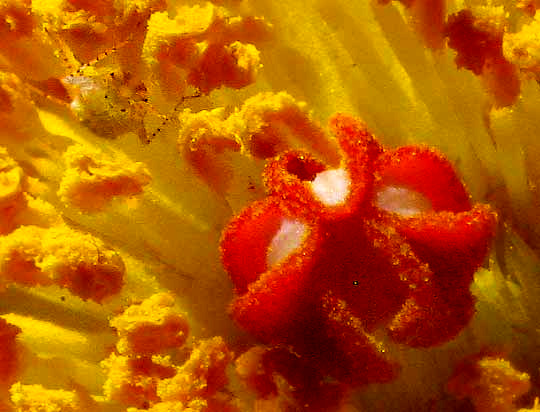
x=36 y=256
x=354 y=262
x=151 y=327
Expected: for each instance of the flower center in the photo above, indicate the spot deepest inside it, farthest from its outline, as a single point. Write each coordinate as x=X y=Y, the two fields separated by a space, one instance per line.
x=331 y=187
x=401 y=200
x=288 y=238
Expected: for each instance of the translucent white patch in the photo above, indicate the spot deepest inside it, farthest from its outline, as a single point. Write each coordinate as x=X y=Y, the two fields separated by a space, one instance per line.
x=331 y=186
x=403 y=201
x=289 y=237
x=84 y=84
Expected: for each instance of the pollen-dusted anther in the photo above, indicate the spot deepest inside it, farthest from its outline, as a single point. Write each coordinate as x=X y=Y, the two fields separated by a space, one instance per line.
x=522 y=48
x=202 y=49
x=477 y=37
x=35 y=256
x=19 y=118
x=87 y=29
x=145 y=330
x=151 y=327
x=17 y=205
x=490 y=381
x=133 y=380
x=38 y=398
x=201 y=376
x=144 y=372
x=233 y=65
x=197 y=405
x=29 y=48
x=268 y=123
x=206 y=141
x=357 y=258
x=92 y=179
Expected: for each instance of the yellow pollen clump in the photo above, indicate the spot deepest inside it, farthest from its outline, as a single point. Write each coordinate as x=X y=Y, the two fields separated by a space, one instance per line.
x=33 y=256
x=490 y=18
x=151 y=327
x=133 y=381
x=92 y=179
x=263 y=126
x=491 y=382
x=17 y=204
x=35 y=398
x=197 y=405
x=523 y=48
x=19 y=119
x=200 y=48
x=164 y=33
x=203 y=374
x=140 y=378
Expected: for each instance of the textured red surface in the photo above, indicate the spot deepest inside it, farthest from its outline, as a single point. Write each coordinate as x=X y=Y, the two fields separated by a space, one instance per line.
x=360 y=269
